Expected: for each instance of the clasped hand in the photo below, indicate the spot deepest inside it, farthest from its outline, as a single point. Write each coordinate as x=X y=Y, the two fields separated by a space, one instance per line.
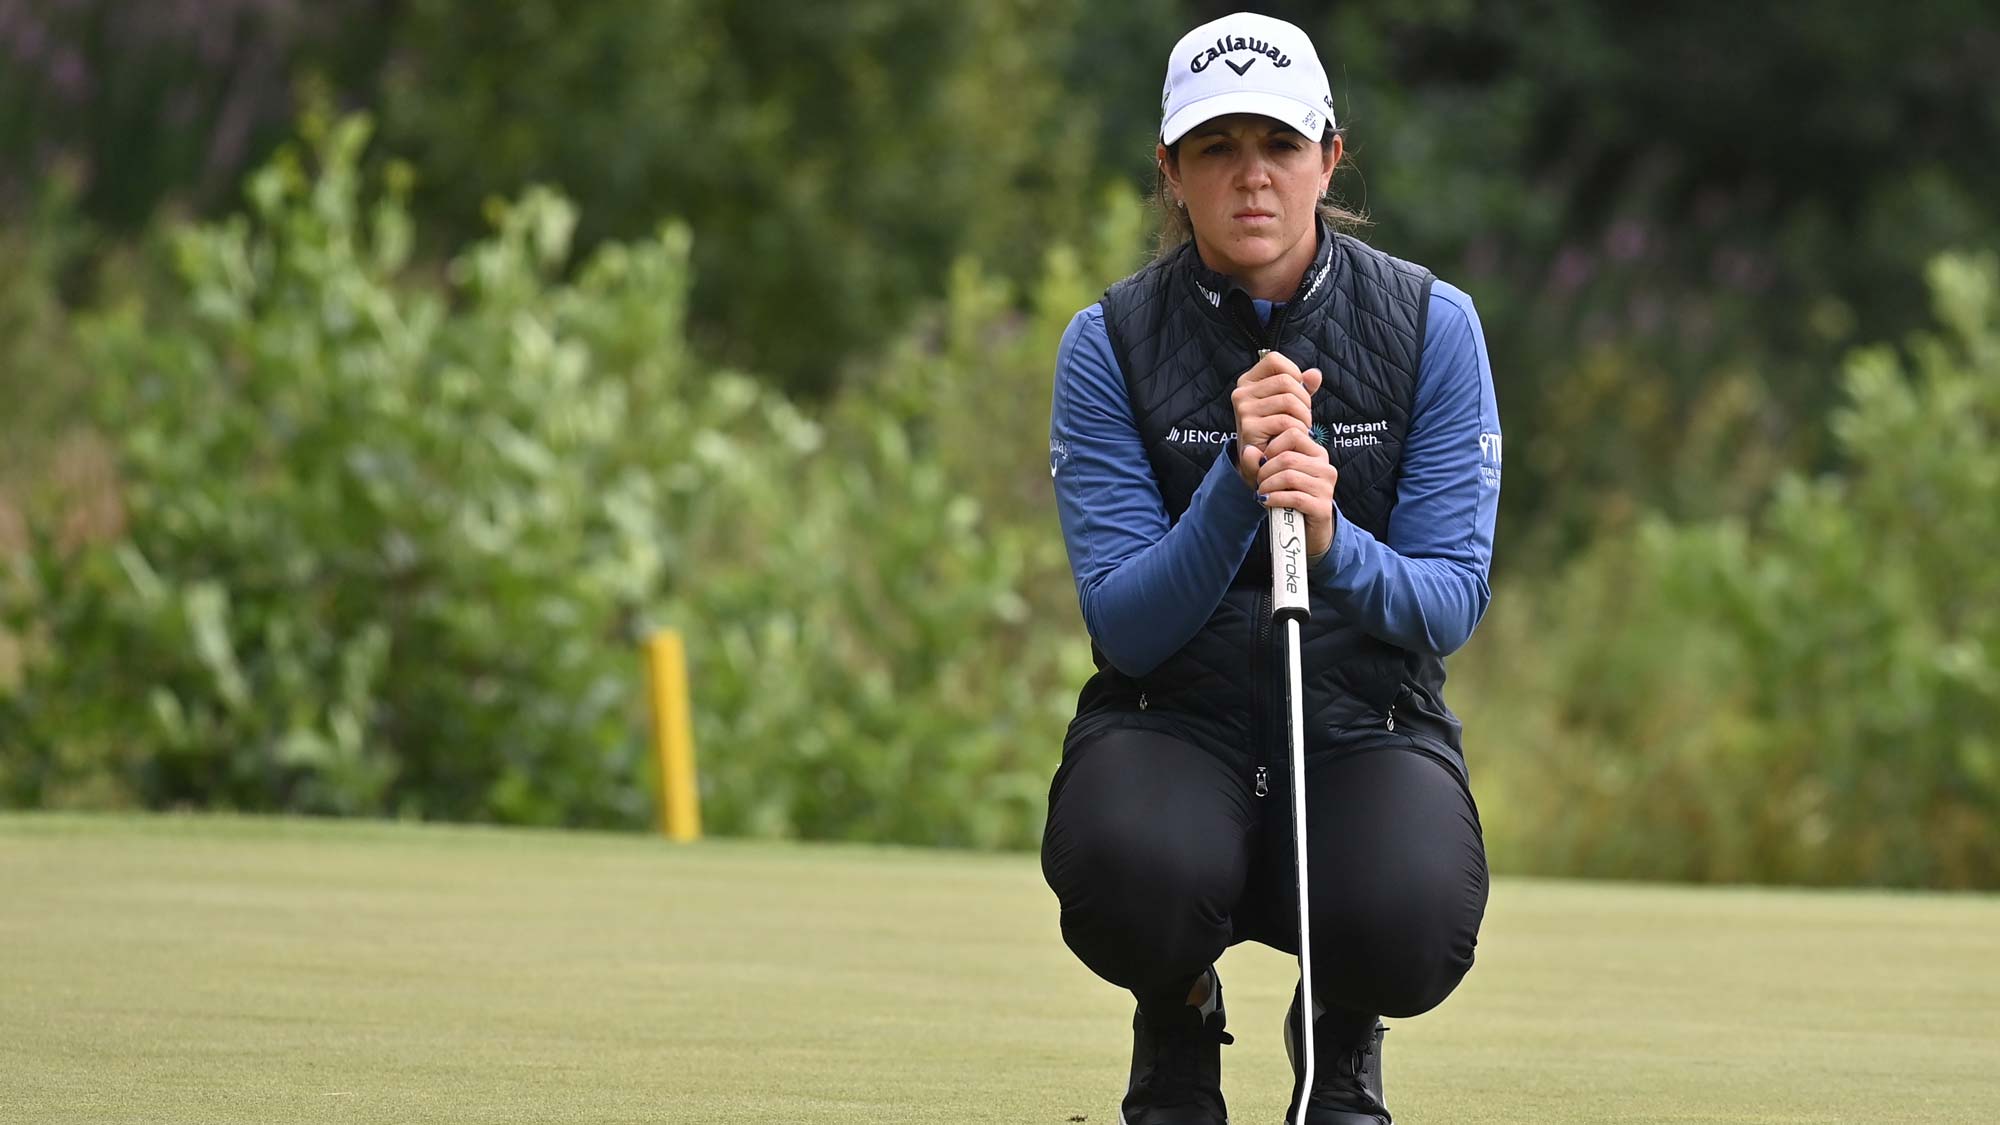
x=1276 y=453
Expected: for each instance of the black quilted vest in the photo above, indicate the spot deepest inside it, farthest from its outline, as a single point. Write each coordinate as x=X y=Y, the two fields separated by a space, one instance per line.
x=1182 y=334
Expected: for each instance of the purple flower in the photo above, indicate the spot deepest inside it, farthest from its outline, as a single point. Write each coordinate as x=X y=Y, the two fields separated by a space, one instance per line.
x=69 y=75
x=29 y=42
x=1625 y=240
x=1572 y=268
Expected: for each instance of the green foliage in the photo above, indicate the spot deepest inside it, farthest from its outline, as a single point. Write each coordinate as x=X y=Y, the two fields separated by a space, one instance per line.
x=381 y=536
x=387 y=544
x=40 y=374
x=831 y=159
x=900 y=660
x=383 y=541
x=1673 y=220
x=1812 y=696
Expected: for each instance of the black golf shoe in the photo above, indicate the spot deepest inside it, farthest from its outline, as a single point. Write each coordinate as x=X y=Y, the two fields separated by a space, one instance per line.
x=1177 y=1067
x=1347 y=1077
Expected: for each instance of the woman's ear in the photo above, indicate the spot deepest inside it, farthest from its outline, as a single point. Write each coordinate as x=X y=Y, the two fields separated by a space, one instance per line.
x=1329 y=157
x=1163 y=157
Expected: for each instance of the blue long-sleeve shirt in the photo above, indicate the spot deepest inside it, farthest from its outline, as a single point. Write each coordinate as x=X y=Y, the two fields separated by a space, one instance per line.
x=1146 y=588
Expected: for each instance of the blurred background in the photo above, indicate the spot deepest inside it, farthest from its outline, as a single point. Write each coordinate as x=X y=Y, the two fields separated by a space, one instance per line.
x=374 y=374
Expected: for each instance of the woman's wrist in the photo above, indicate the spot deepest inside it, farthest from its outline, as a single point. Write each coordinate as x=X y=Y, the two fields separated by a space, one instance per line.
x=1325 y=557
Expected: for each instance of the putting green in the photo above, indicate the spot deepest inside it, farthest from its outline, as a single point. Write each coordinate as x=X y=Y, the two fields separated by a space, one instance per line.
x=177 y=969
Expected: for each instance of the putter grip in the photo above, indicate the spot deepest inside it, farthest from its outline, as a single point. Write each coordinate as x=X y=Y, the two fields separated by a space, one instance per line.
x=1289 y=597
x=1288 y=559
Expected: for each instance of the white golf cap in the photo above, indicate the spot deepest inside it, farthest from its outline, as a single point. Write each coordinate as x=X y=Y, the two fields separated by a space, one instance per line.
x=1245 y=63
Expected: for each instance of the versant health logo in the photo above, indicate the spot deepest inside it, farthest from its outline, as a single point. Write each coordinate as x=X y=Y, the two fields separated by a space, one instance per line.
x=1349 y=435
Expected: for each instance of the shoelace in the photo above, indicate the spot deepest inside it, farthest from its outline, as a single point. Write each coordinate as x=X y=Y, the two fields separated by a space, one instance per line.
x=1176 y=1058
x=1357 y=1061
x=1346 y=1071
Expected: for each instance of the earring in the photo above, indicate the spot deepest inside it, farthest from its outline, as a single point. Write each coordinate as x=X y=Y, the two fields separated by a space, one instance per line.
x=1182 y=202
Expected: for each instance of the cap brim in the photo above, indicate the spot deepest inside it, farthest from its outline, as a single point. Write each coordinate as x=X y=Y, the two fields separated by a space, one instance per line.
x=1291 y=111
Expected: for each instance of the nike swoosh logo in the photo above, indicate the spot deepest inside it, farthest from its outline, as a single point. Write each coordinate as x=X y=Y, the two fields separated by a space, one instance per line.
x=1240 y=70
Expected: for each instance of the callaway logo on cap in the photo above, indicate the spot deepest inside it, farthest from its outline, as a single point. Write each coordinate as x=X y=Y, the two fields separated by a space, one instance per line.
x=1245 y=63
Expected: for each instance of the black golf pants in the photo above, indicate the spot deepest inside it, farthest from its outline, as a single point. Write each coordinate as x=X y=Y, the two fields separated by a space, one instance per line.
x=1162 y=857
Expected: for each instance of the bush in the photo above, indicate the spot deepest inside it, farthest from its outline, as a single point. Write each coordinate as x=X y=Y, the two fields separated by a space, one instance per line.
x=1809 y=697
x=384 y=542
x=898 y=655
x=383 y=535
x=387 y=542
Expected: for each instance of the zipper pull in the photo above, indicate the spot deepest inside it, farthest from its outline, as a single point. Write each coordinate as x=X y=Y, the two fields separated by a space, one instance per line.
x=1392 y=716
x=1263 y=782
x=1142 y=704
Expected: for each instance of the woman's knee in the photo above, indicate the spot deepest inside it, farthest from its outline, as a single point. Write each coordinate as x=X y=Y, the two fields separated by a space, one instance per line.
x=1391 y=976
x=1141 y=919
x=1146 y=892
x=1146 y=827
x=1142 y=875
x=1399 y=947
x=1399 y=882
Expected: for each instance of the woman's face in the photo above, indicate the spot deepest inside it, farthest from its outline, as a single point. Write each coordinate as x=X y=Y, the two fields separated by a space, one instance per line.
x=1252 y=186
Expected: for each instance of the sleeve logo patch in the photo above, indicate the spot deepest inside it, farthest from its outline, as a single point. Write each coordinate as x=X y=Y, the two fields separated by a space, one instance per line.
x=1489 y=460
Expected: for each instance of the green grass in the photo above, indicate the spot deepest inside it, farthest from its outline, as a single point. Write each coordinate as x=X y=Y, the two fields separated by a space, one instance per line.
x=225 y=970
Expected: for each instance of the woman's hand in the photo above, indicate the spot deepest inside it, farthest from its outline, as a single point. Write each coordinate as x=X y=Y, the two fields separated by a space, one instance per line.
x=1270 y=398
x=1297 y=474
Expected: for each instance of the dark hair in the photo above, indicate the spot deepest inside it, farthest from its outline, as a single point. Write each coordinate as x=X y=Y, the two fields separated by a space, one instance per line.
x=1175 y=228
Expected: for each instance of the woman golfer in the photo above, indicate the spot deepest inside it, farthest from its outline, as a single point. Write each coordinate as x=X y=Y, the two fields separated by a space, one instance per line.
x=1267 y=360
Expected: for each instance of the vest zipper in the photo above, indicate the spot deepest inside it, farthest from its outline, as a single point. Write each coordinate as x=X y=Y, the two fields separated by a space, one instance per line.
x=1245 y=316
x=1260 y=695
x=1277 y=325
x=1401 y=692
x=1262 y=337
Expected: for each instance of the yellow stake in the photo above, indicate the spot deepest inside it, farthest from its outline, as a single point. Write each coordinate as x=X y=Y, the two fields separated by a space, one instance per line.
x=673 y=737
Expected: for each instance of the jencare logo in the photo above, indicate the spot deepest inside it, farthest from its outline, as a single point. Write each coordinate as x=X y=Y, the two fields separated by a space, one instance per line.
x=1229 y=46
x=1189 y=436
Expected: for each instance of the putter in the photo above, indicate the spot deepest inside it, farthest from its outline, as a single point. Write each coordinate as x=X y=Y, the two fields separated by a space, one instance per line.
x=1291 y=604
